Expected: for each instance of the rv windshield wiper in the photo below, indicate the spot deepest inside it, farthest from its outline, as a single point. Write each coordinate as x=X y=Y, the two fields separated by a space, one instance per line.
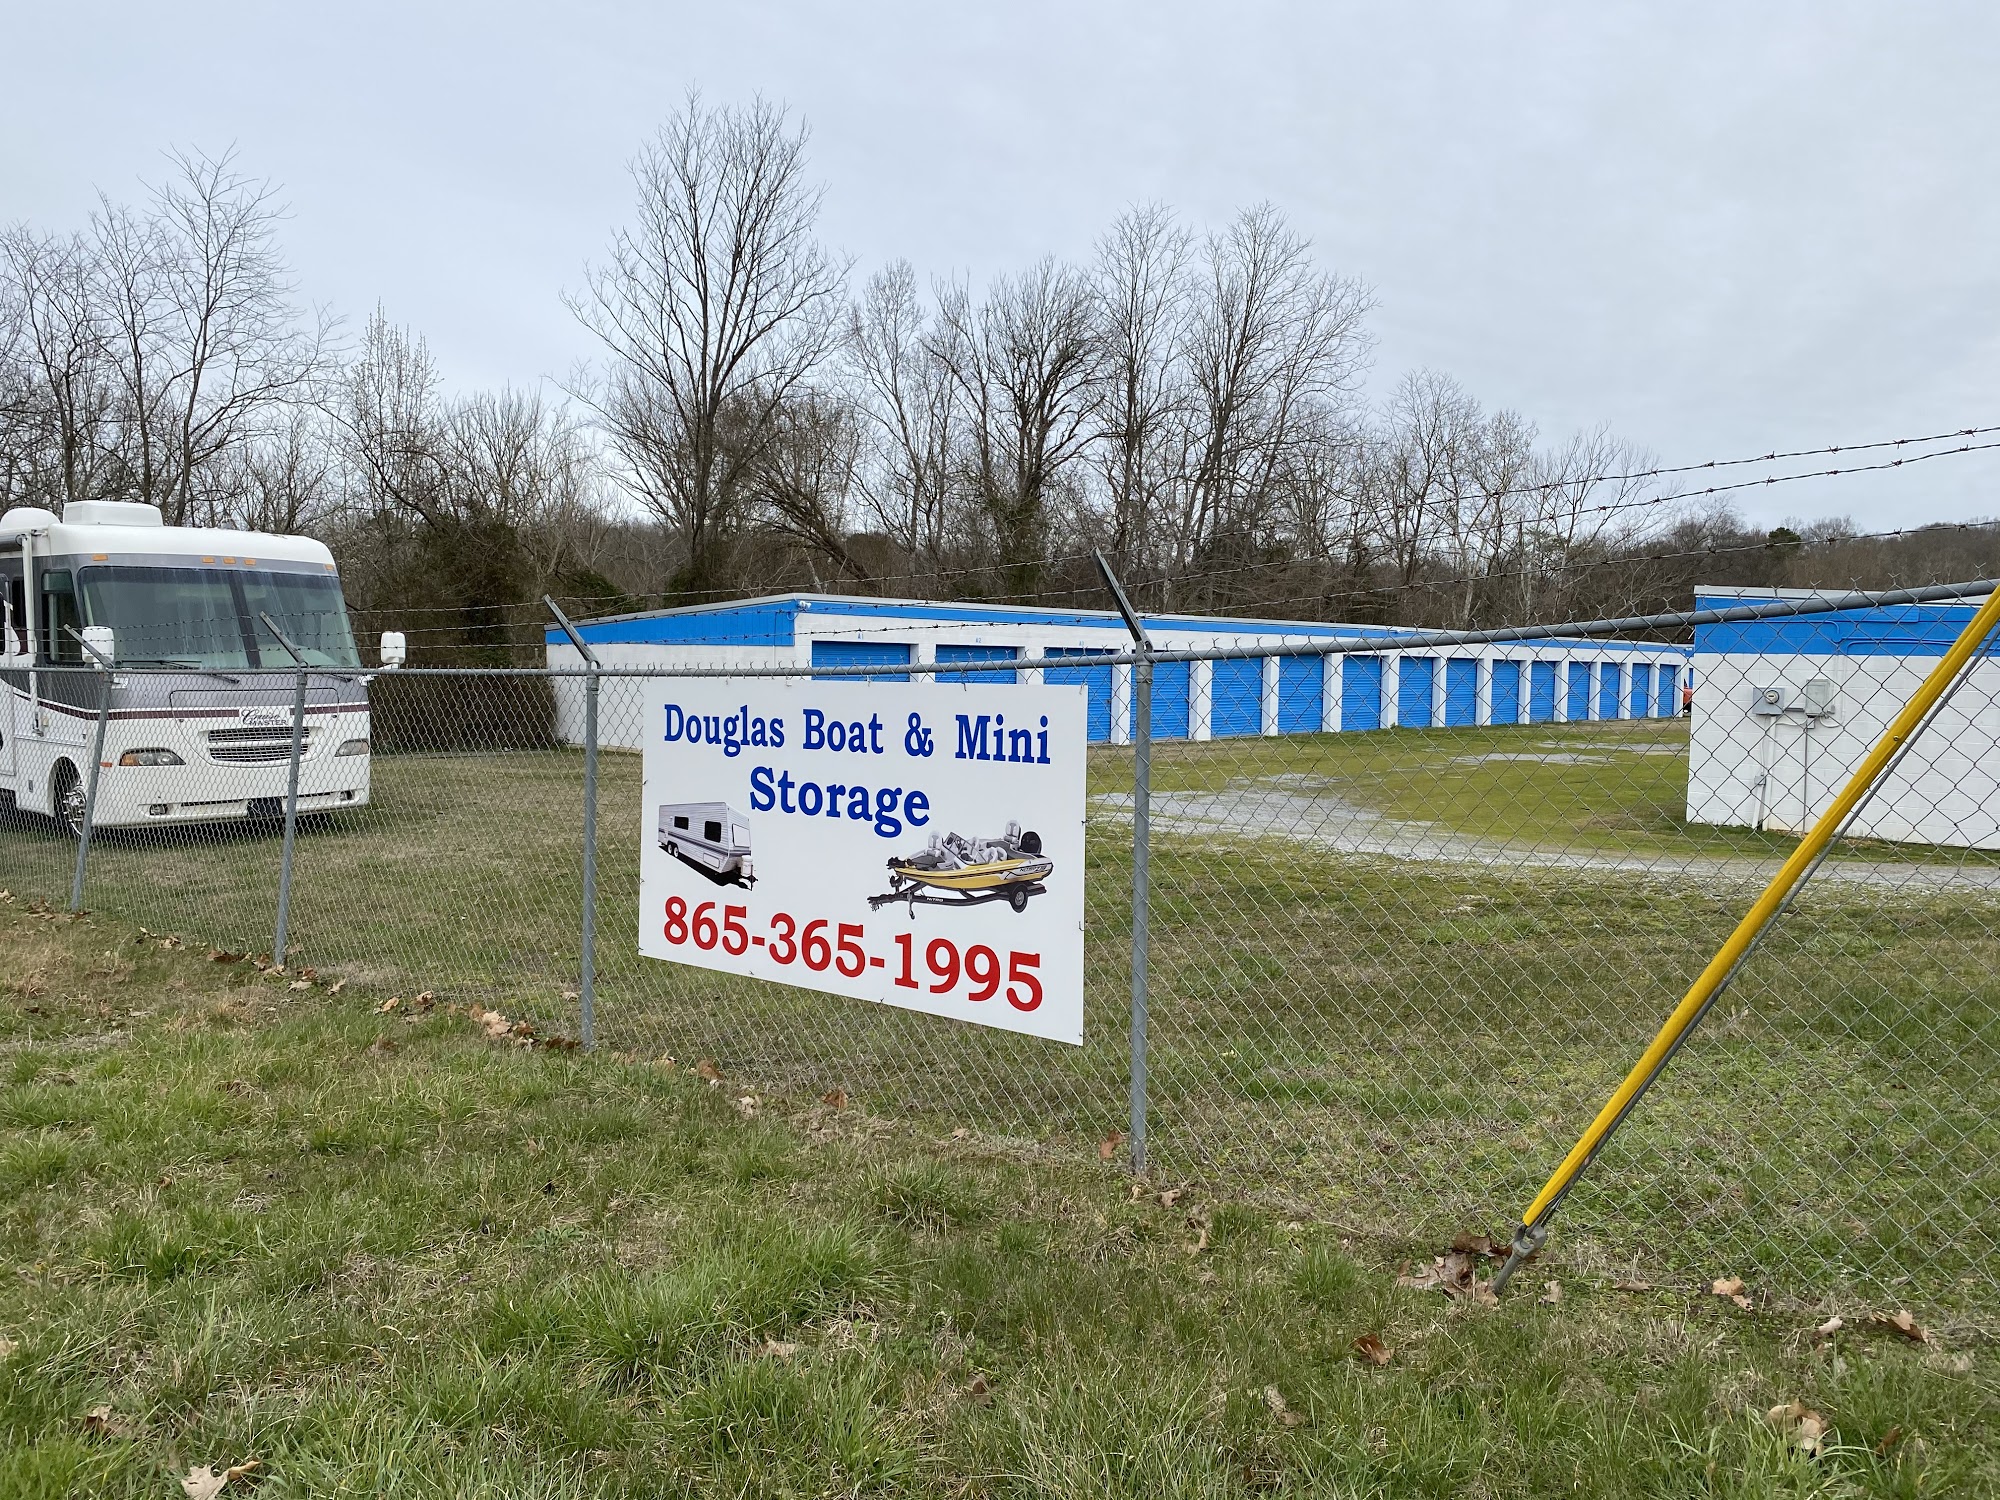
x=179 y=661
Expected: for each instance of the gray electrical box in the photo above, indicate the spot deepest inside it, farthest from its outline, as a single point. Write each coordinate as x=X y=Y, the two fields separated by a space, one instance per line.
x=1772 y=700
x=1816 y=697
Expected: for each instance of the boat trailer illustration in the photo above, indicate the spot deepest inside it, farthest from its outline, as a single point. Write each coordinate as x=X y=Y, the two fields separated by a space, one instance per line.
x=959 y=871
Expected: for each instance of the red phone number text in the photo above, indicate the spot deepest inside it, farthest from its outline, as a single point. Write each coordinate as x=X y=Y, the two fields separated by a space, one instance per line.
x=978 y=967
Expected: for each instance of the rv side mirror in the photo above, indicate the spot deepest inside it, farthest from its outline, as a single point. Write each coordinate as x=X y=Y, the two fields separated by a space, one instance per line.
x=394 y=650
x=103 y=640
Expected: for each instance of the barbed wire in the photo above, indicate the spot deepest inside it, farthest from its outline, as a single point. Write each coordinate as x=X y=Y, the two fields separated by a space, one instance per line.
x=691 y=598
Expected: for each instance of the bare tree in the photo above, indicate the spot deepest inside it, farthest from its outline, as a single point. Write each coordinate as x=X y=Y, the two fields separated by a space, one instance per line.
x=201 y=327
x=1024 y=362
x=714 y=309
x=1271 y=337
x=1143 y=317
x=907 y=396
x=61 y=442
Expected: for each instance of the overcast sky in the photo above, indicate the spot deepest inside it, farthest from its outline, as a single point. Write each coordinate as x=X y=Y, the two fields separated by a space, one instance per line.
x=1716 y=229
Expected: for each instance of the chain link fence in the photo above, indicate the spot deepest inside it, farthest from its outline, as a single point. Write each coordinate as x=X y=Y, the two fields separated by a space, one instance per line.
x=1413 y=913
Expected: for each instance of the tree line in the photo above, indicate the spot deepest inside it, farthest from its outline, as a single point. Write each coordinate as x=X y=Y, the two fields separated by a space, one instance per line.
x=1188 y=401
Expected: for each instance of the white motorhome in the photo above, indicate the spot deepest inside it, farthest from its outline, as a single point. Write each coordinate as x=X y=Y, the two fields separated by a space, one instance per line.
x=713 y=837
x=200 y=718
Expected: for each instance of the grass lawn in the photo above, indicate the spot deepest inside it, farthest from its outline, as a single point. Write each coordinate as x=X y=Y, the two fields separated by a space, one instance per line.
x=1401 y=1050
x=389 y=1256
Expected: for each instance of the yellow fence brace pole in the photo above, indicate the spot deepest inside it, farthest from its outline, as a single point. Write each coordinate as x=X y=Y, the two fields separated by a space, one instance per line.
x=1533 y=1230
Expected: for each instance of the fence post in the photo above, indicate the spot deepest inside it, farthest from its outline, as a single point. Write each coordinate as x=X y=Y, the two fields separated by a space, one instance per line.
x=291 y=821
x=96 y=764
x=280 y=937
x=586 y=986
x=1142 y=793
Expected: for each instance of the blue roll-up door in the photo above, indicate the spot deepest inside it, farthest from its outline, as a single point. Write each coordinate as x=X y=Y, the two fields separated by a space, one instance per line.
x=1361 y=692
x=1667 y=702
x=864 y=654
x=1097 y=679
x=1506 y=692
x=1416 y=680
x=1579 y=691
x=1236 y=698
x=1610 y=677
x=1170 y=700
x=1542 y=692
x=1642 y=691
x=1301 y=694
x=1008 y=654
x=1461 y=692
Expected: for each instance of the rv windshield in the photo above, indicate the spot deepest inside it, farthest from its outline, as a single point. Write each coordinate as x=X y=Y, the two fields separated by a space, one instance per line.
x=208 y=617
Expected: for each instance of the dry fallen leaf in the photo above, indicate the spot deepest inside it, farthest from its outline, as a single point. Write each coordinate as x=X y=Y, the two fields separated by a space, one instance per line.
x=207 y=1481
x=961 y=1134
x=980 y=1390
x=1806 y=1427
x=1276 y=1401
x=382 y=1046
x=1830 y=1327
x=746 y=1106
x=778 y=1349
x=388 y=1005
x=835 y=1097
x=1889 y=1441
x=7 y=1347
x=1552 y=1292
x=1732 y=1288
x=301 y=984
x=1371 y=1348
x=1171 y=1196
x=706 y=1068
x=97 y=1419
x=1108 y=1147
x=336 y=987
x=1198 y=1221
x=1904 y=1324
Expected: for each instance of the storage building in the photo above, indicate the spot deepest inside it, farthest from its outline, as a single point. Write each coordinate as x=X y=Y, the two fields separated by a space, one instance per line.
x=1379 y=687
x=1786 y=708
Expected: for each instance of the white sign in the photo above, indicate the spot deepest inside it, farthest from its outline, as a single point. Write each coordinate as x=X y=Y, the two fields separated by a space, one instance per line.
x=914 y=844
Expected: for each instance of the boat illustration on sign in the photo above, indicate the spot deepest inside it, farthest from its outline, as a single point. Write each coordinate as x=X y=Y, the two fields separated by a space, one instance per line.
x=958 y=871
x=712 y=837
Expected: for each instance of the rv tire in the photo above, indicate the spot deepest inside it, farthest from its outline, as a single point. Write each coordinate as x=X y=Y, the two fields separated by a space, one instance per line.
x=67 y=798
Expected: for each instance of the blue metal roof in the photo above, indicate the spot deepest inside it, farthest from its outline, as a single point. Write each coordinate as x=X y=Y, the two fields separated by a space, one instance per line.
x=1889 y=630
x=772 y=621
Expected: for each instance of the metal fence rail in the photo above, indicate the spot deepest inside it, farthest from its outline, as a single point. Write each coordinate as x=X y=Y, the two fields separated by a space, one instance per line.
x=1391 y=972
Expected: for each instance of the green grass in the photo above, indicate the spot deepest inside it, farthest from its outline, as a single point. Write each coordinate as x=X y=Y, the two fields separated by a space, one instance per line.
x=1397 y=1049
x=390 y=1256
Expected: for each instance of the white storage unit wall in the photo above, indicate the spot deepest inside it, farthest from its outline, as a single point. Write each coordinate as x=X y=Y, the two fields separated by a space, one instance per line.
x=1377 y=687
x=1786 y=708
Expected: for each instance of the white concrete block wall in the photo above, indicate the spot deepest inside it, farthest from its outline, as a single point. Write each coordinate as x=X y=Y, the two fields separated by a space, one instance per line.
x=1946 y=790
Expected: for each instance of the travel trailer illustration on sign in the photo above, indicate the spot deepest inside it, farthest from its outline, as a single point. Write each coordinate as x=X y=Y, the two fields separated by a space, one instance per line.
x=1010 y=868
x=712 y=837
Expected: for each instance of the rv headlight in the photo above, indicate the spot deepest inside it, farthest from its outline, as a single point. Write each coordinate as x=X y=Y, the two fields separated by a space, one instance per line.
x=153 y=757
x=352 y=747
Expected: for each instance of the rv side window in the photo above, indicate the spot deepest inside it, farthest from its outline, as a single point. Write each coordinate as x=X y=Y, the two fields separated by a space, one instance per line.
x=59 y=610
x=741 y=835
x=712 y=831
x=681 y=823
